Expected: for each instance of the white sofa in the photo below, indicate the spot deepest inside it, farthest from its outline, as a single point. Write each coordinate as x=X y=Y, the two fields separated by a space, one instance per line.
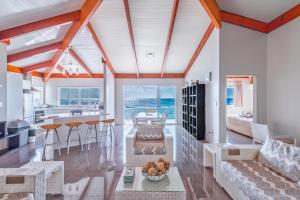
x=133 y=159
x=242 y=171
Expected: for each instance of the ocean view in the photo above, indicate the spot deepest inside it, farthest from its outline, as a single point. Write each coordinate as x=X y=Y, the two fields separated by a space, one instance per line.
x=165 y=105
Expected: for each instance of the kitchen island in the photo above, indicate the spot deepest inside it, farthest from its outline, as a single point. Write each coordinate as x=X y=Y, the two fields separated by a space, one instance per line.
x=63 y=131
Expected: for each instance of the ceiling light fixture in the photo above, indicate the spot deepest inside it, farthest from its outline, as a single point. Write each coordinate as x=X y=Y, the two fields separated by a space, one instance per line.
x=68 y=63
x=150 y=54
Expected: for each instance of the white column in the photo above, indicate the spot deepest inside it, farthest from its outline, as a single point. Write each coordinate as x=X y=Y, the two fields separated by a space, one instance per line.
x=3 y=82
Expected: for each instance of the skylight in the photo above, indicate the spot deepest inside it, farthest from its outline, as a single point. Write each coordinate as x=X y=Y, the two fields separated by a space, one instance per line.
x=44 y=35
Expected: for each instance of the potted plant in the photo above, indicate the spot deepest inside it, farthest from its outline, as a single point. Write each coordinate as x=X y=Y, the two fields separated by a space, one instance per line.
x=31 y=135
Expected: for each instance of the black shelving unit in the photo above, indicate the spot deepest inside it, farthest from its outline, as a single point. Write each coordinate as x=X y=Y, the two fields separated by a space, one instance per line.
x=193 y=109
x=185 y=108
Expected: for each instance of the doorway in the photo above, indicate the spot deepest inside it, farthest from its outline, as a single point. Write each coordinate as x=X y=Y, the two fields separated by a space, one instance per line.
x=240 y=108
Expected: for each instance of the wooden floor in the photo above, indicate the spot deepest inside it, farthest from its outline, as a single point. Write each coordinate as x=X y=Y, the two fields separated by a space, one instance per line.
x=94 y=174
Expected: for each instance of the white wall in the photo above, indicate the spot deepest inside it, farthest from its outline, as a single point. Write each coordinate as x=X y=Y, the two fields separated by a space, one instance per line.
x=14 y=96
x=208 y=61
x=37 y=81
x=283 y=79
x=110 y=92
x=3 y=82
x=179 y=83
x=243 y=52
x=54 y=83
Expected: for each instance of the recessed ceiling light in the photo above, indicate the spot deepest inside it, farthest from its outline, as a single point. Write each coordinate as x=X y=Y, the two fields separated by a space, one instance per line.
x=150 y=54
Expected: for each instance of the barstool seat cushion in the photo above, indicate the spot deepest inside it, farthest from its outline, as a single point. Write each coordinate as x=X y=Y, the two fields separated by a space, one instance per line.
x=51 y=126
x=108 y=121
x=94 y=122
x=73 y=124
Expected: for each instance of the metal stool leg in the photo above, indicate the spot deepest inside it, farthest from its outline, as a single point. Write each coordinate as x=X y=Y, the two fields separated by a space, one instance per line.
x=45 y=145
x=104 y=133
x=57 y=141
x=110 y=135
x=68 y=141
x=96 y=131
x=79 y=138
x=87 y=137
x=113 y=128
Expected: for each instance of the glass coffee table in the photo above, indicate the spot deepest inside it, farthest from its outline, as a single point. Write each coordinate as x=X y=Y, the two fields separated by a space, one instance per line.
x=170 y=188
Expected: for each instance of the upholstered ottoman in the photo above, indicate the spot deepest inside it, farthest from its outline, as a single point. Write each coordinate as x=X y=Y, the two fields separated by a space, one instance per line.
x=54 y=173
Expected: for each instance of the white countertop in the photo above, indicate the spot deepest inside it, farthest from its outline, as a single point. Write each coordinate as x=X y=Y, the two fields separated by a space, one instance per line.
x=60 y=115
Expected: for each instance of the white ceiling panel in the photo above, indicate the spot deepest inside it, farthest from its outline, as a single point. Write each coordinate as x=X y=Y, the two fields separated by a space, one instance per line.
x=18 y=12
x=110 y=25
x=263 y=10
x=42 y=70
x=34 y=59
x=190 y=25
x=38 y=38
x=86 y=48
x=150 y=23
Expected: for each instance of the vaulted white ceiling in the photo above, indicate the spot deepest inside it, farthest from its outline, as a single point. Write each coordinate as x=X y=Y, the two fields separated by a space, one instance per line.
x=150 y=24
x=110 y=25
x=18 y=12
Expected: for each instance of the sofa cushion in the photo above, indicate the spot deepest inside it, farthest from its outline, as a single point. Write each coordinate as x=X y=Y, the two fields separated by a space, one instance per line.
x=149 y=148
x=149 y=132
x=282 y=158
x=259 y=182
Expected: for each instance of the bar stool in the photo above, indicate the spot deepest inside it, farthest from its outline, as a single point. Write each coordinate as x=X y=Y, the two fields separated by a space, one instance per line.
x=73 y=126
x=91 y=125
x=108 y=123
x=49 y=127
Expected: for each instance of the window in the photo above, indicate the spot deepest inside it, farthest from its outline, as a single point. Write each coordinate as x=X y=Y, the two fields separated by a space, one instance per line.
x=167 y=101
x=79 y=96
x=137 y=98
x=229 y=96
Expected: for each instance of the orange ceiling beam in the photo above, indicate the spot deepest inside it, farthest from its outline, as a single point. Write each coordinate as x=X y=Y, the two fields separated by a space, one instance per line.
x=55 y=75
x=166 y=75
x=101 y=48
x=244 y=22
x=260 y=26
x=129 y=24
x=37 y=66
x=284 y=18
x=212 y=9
x=86 y=12
x=37 y=74
x=199 y=48
x=33 y=52
x=5 y=41
x=11 y=68
x=38 y=25
x=169 y=37
x=80 y=61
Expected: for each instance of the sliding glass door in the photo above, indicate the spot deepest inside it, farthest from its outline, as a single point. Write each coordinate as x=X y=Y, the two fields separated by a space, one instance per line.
x=167 y=102
x=138 y=97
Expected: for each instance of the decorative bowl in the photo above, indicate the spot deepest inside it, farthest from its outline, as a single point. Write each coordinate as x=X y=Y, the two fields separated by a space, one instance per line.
x=155 y=178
